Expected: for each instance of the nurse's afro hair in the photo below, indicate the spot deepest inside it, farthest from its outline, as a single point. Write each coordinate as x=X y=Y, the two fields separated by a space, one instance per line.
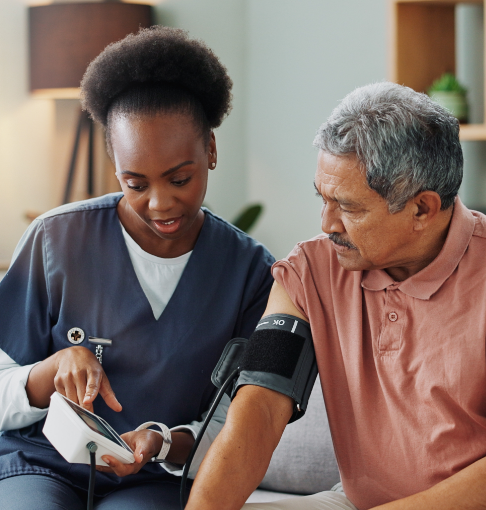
x=158 y=70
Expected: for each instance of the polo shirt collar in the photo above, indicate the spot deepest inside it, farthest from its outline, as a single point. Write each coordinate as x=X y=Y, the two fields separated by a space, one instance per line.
x=428 y=281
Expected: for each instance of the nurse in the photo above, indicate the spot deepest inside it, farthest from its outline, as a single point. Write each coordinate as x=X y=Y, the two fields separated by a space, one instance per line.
x=167 y=281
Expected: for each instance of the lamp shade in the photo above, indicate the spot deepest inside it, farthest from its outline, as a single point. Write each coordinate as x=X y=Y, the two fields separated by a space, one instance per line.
x=64 y=38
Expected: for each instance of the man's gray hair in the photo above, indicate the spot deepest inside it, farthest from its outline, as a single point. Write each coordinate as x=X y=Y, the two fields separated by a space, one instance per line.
x=405 y=142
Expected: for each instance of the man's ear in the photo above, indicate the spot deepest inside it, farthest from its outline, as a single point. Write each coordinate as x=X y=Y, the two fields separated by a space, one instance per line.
x=427 y=206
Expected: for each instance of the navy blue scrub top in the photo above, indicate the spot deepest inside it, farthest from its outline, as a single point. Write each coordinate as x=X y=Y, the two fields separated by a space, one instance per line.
x=72 y=270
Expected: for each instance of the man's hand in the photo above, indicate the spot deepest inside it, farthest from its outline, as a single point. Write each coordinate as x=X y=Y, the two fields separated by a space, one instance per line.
x=75 y=373
x=145 y=445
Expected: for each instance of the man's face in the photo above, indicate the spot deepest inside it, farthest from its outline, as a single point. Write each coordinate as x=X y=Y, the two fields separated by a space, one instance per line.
x=364 y=234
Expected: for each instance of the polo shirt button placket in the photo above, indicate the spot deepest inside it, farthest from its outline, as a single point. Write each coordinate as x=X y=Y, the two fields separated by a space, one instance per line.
x=391 y=332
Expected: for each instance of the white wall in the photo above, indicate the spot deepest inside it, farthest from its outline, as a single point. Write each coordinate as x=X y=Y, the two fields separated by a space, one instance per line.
x=303 y=57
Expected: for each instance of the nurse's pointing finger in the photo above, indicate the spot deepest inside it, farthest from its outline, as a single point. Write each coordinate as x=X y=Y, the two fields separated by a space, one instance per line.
x=92 y=387
x=109 y=395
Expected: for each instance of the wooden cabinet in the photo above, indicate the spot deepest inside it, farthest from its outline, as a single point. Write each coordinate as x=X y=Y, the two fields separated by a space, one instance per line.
x=423 y=47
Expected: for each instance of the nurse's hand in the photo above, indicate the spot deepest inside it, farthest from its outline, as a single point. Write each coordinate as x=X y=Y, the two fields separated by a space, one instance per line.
x=80 y=377
x=145 y=444
x=75 y=373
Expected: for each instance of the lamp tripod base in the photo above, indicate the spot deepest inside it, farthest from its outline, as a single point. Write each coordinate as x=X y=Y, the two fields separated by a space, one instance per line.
x=85 y=126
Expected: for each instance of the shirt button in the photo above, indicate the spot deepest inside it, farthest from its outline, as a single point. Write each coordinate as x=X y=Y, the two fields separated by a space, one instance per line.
x=393 y=316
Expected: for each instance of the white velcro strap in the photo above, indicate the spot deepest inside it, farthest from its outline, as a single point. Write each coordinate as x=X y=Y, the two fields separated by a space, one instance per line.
x=165 y=433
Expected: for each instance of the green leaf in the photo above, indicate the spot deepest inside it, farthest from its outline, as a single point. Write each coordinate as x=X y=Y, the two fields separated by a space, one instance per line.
x=248 y=217
x=447 y=83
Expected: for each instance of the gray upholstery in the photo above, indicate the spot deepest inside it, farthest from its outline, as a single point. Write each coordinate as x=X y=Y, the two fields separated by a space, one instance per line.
x=304 y=461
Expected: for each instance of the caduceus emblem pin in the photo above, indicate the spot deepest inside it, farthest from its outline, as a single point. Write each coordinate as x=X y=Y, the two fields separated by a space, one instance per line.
x=75 y=335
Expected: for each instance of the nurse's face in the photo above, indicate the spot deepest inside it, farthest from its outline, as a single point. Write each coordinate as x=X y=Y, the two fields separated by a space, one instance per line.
x=162 y=164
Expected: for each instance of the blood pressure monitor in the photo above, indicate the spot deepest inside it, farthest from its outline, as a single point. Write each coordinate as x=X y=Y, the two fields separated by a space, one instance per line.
x=70 y=427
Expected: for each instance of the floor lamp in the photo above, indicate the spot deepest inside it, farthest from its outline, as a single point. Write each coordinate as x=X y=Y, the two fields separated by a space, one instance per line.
x=64 y=38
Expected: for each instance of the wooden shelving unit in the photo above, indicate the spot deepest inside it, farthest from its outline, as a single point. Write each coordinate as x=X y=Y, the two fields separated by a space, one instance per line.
x=422 y=47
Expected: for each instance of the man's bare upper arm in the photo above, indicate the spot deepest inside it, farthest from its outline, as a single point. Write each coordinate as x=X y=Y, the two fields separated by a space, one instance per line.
x=279 y=302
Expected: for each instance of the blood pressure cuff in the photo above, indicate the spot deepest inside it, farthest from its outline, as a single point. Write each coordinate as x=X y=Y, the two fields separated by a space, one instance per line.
x=279 y=356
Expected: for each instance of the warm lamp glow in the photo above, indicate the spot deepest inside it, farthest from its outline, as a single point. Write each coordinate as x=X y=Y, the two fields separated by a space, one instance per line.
x=65 y=93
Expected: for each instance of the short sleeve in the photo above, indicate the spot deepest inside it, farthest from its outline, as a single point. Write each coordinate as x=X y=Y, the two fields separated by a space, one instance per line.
x=257 y=290
x=25 y=322
x=288 y=273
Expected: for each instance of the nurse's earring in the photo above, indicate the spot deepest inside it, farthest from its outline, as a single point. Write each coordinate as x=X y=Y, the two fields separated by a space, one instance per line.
x=212 y=165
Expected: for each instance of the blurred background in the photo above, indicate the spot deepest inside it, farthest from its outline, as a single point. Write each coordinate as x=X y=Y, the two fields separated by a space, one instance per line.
x=291 y=61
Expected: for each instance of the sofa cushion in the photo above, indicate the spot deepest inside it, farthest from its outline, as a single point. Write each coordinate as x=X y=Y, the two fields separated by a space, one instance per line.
x=261 y=496
x=304 y=460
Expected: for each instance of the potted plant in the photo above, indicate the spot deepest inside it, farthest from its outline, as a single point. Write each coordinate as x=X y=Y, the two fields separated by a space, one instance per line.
x=248 y=217
x=450 y=94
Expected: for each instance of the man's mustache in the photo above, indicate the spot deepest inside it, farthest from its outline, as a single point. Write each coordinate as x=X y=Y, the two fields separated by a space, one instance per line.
x=336 y=238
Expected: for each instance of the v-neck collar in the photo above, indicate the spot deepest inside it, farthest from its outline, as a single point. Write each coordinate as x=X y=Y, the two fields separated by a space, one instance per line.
x=188 y=275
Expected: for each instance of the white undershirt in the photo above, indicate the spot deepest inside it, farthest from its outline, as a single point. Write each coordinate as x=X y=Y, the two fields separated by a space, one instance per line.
x=158 y=278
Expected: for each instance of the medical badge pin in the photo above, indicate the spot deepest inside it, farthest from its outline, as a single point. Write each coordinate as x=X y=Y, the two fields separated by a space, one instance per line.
x=75 y=335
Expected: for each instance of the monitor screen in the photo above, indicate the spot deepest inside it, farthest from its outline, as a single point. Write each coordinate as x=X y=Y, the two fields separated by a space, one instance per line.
x=97 y=424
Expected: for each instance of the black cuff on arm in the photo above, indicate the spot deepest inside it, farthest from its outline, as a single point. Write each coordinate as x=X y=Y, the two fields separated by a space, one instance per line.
x=280 y=356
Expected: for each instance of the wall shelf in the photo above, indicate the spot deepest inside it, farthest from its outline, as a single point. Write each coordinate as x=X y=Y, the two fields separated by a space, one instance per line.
x=443 y=2
x=471 y=132
x=423 y=47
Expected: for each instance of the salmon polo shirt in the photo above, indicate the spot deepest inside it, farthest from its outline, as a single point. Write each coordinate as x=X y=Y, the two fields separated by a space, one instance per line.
x=402 y=364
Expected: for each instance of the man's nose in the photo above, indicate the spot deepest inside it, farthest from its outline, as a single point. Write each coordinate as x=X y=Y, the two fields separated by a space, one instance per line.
x=330 y=220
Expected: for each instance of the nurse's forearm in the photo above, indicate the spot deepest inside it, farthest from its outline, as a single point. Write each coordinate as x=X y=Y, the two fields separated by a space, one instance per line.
x=180 y=448
x=240 y=455
x=465 y=490
x=145 y=445
x=40 y=384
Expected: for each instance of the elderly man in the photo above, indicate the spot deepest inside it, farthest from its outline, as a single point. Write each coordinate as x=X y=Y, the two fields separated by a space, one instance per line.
x=395 y=293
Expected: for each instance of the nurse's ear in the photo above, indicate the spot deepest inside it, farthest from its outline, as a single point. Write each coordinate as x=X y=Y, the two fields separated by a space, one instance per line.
x=212 y=152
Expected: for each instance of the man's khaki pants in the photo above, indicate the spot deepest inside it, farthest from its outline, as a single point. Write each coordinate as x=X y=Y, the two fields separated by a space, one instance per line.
x=334 y=499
